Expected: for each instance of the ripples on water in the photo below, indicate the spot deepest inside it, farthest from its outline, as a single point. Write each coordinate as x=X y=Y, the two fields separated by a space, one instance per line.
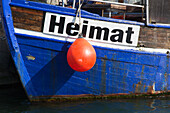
x=13 y=100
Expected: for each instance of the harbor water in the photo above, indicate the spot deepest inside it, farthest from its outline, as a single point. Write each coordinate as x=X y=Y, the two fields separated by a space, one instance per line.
x=14 y=100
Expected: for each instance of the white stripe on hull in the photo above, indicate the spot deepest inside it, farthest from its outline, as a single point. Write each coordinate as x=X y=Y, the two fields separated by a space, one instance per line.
x=99 y=44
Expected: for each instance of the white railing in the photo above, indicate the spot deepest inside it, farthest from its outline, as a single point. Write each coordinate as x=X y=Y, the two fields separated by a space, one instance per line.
x=110 y=2
x=117 y=3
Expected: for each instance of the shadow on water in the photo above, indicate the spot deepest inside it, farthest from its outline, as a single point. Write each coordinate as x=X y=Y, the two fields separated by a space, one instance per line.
x=14 y=100
x=12 y=97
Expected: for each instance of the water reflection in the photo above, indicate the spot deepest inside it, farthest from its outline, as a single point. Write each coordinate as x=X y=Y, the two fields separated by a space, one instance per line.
x=13 y=100
x=151 y=104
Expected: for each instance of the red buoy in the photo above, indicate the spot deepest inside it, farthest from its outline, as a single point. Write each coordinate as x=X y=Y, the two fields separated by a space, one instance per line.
x=81 y=55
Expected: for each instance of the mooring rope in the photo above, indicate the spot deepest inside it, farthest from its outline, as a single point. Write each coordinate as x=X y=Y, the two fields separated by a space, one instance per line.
x=79 y=12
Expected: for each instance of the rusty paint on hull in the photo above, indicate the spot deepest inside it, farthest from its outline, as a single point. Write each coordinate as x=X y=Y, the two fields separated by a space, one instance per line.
x=70 y=98
x=46 y=75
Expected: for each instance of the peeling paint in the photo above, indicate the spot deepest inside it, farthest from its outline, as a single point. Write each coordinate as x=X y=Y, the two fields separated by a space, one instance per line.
x=151 y=89
x=138 y=87
x=30 y=57
x=165 y=84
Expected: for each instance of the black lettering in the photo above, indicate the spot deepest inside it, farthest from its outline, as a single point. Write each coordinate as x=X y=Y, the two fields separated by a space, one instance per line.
x=99 y=30
x=84 y=29
x=129 y=33
x=60 y=25
x=71 y=26
x=119 y=35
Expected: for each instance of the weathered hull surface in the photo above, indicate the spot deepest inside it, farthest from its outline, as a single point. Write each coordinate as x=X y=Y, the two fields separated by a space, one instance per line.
x=45 y=73
x=116 y=71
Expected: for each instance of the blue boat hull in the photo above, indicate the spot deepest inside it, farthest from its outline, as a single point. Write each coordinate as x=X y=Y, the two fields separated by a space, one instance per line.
x=44 y=71
x=116 y=71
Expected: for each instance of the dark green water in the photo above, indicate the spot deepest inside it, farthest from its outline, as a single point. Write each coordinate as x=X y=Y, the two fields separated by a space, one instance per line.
x=13 y=100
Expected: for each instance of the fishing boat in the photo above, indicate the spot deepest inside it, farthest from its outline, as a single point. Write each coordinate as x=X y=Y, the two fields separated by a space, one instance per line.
x=129 y=42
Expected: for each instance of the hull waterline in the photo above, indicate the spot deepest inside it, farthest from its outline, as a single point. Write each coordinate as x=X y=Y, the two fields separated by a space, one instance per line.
x=41 y=57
